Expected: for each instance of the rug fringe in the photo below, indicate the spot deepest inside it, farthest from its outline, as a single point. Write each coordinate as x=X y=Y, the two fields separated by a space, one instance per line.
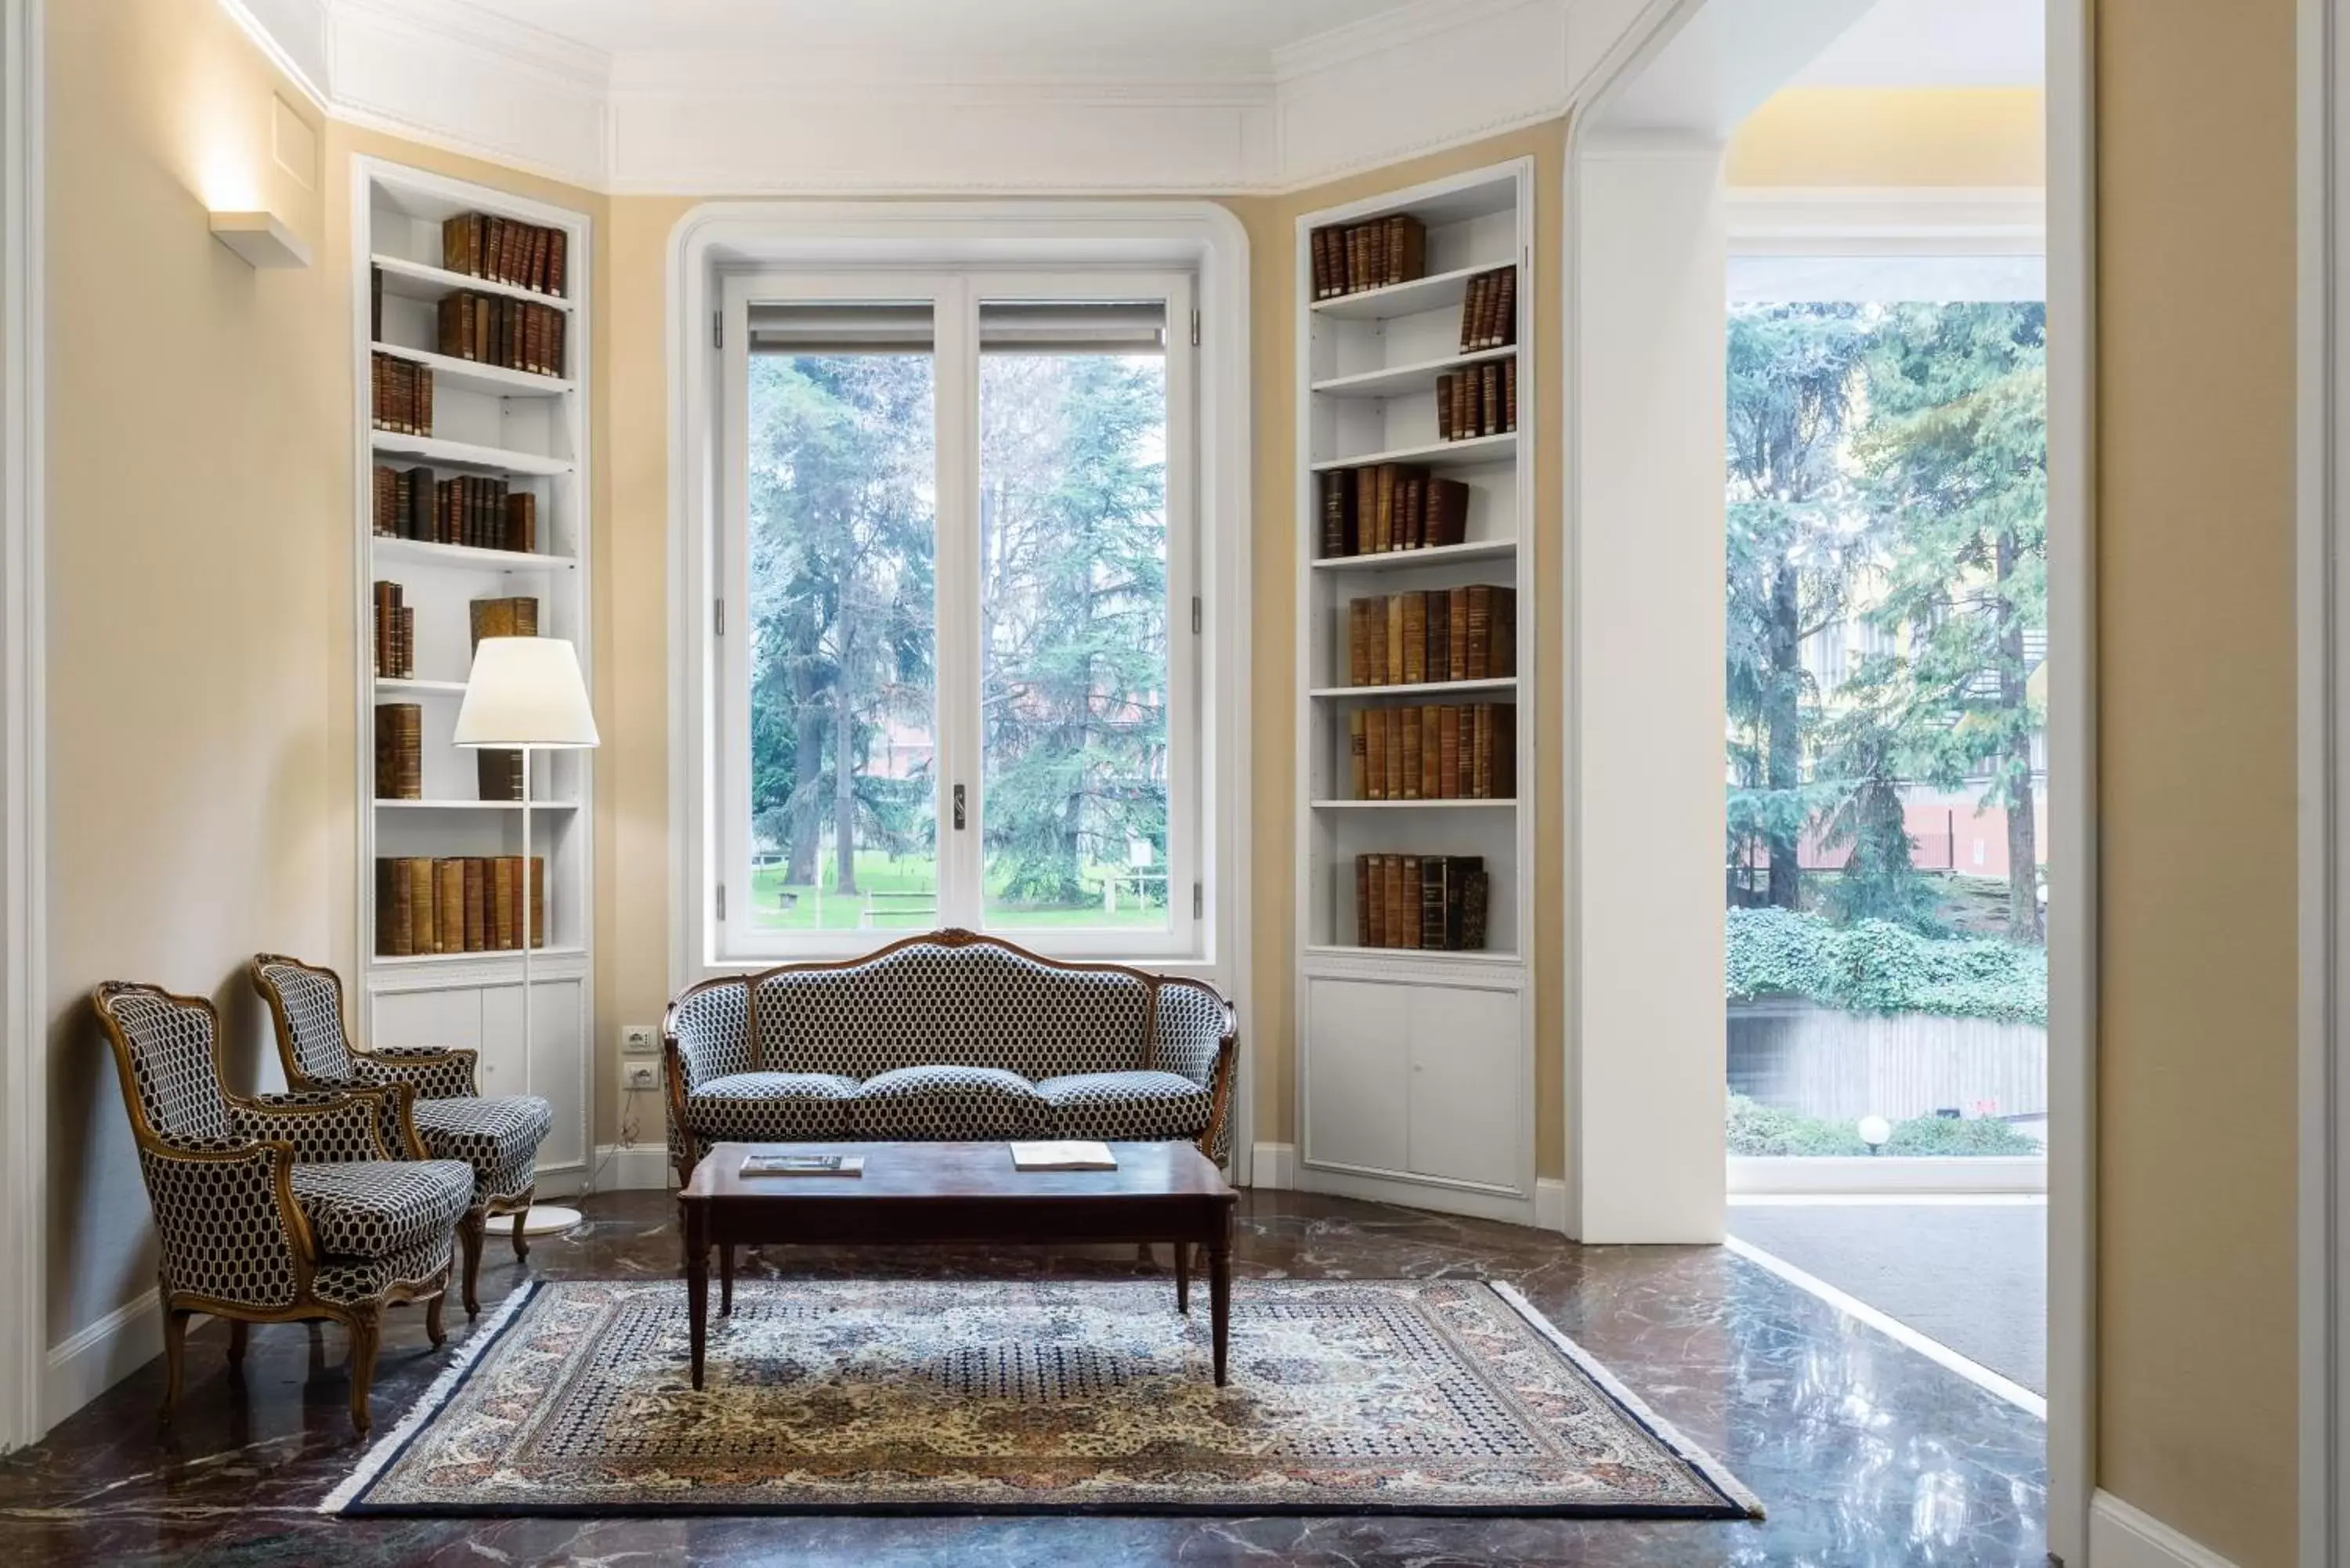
x=386 y=1447
x=1695 y=1458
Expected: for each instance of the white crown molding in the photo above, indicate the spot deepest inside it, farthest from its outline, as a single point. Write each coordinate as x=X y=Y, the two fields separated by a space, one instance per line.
x=1955 y=218
x=1411 y=80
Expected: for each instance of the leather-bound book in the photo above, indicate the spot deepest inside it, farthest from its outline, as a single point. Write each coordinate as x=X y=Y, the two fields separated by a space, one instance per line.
x=1475 y=890
x=1357 y=755
x=1363 y=936
x=1456 y=626
x=1374 y=753
x=512 y=616
x=399 y=750
x=1505 y=751
x=1469 y=300
x=1404 y=904
x=386 y=603
x=1358 y=642
x=424 y=935
x=384 y=518
x=556 y=243
x=1379 y=626
x=1510 y=393
x=502 y=929
x=1448 y=751
x=1505 y=309
x=1395 y=774
x=1375 y=899
x=1489 y=402
x=1481 y=622
x=1431 y=752
x=1444 y=407
x=423 y=399
x=477 y=905
x=1391 y=904
x=1501 y=651
x=535 y=871
x=1318 y=246
x=1388 y=535
x=1415 y=637
x=1448 y=511
x=1407 y=721
x=1431 y=901
x=449 y=906
x=1440 y=634
x=395 y=934
x=499 y=774
x=522 y=521
x=1395 y=639
x=1367 y=508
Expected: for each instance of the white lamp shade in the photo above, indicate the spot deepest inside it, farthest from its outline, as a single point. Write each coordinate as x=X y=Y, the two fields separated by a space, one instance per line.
x=525 y=691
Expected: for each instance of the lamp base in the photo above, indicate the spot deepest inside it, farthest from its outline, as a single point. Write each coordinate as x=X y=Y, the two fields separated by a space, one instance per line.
x=549 y=1219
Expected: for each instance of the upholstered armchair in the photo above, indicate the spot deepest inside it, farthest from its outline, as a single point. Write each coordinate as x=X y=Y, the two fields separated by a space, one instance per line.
x=497 y=1136
x=272 y=1207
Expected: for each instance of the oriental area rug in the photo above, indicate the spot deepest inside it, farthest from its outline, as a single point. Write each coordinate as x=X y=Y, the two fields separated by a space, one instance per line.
x=1439 y=1396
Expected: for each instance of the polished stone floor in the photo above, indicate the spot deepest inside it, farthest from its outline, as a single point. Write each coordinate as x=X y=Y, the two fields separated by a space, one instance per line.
x=1865 y=1453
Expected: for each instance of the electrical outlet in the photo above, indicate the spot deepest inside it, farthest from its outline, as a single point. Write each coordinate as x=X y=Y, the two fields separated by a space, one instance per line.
x=635 y=1075
x=639 y=1039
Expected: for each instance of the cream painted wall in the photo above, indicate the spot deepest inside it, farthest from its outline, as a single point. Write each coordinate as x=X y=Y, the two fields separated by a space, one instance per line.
x=2195 y=587
x=1893 y=136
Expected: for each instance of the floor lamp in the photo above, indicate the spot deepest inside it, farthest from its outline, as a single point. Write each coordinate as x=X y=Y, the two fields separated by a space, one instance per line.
x=526 y=695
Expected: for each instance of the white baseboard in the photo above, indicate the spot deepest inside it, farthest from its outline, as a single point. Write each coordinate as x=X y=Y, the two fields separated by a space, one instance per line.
x=1550 y=1204
x=94 y=1358
x=2121 y=1536
x=1272 y=1165
x=1861 y=1173
x=632 y=1168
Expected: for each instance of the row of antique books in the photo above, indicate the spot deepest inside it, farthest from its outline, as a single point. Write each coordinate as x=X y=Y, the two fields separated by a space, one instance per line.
x=1489 y=311
x=1389 y=506
x=402 y=399
x=1434 y=902
x=1481 y=401
x=469 y=905
x=493 y=329
x=395 y=634
x=1464 y=750
x=521 y=255
x=1351 y=257
x=472 y=509
x=1434 y=634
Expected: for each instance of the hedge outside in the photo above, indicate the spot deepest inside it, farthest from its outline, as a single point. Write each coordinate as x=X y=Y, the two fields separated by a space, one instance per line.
x=1872 y=966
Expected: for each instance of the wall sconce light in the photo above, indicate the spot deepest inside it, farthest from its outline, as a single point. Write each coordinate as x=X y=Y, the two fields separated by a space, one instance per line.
x=260 y=239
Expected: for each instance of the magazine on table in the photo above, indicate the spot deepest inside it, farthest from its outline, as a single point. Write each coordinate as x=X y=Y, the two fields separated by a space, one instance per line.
x=1066 y=1154
x=803 y=1165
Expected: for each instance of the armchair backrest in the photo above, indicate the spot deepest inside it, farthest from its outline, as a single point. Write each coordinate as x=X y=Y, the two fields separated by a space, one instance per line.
x=163 y=1048
x=305 y=1014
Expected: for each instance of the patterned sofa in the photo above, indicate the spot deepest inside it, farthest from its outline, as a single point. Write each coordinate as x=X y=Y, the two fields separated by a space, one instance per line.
x=947 y=1035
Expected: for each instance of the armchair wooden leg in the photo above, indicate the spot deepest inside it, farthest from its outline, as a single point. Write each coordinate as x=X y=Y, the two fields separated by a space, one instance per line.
x=176 y=1354
x=469 y=1227
x=521 y=1241
x=367 y=1332
x=238 y=1331
x=432 y=1329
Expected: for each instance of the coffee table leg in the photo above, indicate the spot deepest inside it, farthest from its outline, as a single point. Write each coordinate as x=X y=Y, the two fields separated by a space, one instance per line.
x=726 y=1279
x=1219 y=1290
x=1183 y=1278
x=697 y=1280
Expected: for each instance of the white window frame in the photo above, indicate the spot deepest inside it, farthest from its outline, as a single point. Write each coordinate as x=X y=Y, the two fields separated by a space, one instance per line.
x=1199 y=237
x=954 y=297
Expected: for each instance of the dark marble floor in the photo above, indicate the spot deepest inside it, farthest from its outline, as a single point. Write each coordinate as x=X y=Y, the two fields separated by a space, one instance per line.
x=1865 y=1453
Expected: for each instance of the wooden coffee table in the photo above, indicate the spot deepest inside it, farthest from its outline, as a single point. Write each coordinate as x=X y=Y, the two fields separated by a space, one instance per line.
x=946 y=1194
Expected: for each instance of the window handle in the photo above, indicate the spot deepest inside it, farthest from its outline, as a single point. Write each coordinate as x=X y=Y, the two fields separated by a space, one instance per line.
x=958 y=808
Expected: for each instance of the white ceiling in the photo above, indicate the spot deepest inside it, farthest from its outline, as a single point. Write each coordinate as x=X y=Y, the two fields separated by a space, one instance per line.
x=1937 y=43
x=1135 y=39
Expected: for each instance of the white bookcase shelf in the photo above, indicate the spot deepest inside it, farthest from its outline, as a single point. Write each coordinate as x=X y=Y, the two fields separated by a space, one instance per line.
x=531 y=430
x=1415 y=1065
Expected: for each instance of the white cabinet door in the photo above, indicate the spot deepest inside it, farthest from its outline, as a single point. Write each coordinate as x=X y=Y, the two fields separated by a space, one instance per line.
x=450 y=1018
x=1466 y=1080
x=551 y=1067
x=1357 y=1043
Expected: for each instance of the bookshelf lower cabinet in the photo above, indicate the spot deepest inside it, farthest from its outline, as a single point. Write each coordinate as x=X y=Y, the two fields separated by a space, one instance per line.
x=1415 y=1080
x=487 y=1019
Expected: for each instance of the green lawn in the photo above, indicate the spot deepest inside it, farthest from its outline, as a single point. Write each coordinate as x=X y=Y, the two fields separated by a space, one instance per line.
x=777 y=906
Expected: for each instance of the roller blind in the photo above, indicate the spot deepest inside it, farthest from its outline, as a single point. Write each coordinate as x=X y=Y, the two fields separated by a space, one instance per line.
x=1004 y=328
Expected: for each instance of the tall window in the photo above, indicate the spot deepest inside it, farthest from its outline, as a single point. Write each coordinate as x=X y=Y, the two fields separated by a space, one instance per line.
x=960 y=538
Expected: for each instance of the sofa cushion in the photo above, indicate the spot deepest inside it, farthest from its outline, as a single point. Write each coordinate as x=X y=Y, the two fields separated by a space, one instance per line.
x=1135 y=1105
x=936 y=1102
x=924 y=1003
x=771 y=1107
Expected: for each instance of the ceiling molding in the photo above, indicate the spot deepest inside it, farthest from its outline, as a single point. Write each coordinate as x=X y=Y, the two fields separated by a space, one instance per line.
x=1410 y=80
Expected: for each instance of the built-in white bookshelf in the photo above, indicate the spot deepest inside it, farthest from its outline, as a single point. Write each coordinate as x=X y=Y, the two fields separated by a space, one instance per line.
x=1415 y=1065
x=529 y=430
